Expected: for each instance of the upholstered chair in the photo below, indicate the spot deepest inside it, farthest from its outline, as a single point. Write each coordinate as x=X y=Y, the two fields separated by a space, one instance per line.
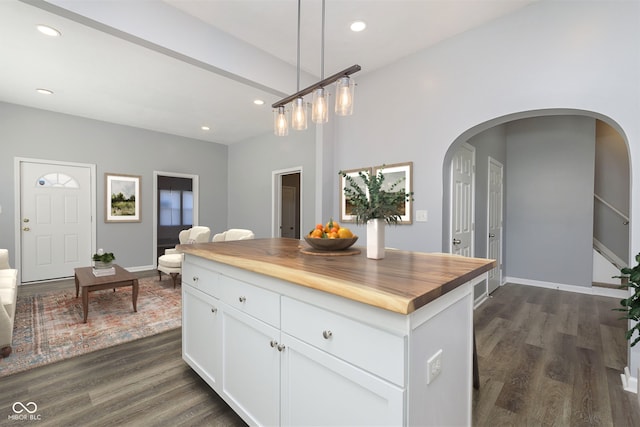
x=8 y=297
x=233 y=234
x=171 y=262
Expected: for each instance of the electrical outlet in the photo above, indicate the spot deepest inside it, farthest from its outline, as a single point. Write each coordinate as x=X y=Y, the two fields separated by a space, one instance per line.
x=434 y=366
x=421 y=216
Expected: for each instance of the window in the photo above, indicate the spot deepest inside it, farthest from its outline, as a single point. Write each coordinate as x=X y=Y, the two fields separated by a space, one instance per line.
x=176 y=207
x=55 y=179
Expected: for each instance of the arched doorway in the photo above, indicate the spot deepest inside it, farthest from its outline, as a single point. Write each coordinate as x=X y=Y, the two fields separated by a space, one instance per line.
x=551 y=216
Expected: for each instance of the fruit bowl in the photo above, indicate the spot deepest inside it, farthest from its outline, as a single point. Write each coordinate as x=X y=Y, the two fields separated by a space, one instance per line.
x=330 y=244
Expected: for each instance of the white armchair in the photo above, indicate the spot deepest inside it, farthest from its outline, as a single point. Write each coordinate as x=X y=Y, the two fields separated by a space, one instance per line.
x=171 y=262
x=233 y=234
x=8 y=296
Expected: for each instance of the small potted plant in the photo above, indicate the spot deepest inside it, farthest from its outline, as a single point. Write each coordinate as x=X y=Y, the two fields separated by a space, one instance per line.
x=631 y=305
x=376 y=207
x=103 y=259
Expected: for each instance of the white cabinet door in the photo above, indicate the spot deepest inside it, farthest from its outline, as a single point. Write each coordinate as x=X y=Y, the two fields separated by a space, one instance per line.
x=201 y=334
x=319 y=389
x=251 y=366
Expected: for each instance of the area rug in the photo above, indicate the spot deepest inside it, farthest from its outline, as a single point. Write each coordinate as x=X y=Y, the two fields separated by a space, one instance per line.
x=49 y=328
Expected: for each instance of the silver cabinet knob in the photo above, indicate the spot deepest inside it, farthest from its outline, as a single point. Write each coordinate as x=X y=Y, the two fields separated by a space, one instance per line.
x=196 y=278
x=281 y=347
x=242 y=299
x=327 y=334
x=273 y=343
x=214 y=310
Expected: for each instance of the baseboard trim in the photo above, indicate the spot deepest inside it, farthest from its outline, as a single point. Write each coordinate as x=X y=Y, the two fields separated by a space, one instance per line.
x=591 y=290
x=629 y=383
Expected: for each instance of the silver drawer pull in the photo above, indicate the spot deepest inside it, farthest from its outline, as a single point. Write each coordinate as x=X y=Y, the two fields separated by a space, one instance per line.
x=273 y=343
x=327 y=334
x=196 y=278
x=242 y=299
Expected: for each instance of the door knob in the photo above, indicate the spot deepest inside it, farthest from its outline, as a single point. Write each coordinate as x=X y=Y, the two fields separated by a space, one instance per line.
x=26 y=229
x=491 y=235
x=25 y=220
x=457 y=241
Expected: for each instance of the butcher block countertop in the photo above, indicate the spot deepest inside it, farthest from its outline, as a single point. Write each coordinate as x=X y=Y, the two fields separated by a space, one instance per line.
x=402 y=282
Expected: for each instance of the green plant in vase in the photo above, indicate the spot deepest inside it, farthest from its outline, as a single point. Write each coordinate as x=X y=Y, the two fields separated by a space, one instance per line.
x=103 y=259
x=376 y=205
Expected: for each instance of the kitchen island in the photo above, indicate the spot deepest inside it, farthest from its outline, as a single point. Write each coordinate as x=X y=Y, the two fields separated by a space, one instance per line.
x=287 y=338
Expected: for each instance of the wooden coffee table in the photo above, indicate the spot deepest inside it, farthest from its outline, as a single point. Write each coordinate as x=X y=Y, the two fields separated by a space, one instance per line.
x=88 y=282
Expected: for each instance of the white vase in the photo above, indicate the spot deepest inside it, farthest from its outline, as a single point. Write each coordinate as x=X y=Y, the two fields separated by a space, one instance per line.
x=375 y=238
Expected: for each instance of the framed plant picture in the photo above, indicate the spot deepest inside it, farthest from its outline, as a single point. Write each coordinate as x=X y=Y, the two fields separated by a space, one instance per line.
x=122 y=198
x=402 y=174
x=345 y=206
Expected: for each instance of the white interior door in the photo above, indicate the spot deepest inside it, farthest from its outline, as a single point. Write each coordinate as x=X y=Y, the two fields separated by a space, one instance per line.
x=55 y=220
x=494 y=220
x=462 y=199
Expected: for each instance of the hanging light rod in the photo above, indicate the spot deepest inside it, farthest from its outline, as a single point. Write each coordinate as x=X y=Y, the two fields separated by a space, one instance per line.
x=322 y=83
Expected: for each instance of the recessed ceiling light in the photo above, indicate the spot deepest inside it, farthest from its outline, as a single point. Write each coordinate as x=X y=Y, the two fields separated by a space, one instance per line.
x=48 y=31
x=205 y=128
x=358 y=26
x=44 y=91
x=258 y=102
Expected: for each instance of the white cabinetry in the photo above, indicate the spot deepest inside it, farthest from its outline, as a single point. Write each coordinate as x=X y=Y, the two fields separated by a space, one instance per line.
x=283 y=354
x=201 y=334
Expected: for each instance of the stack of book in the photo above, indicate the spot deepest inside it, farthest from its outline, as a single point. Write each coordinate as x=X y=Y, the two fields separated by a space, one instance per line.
x=99 y=272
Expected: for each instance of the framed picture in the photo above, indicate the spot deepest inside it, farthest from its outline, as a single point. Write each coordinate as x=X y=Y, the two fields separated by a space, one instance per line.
x=345 y=206
x=403 y=174
x=122 y=198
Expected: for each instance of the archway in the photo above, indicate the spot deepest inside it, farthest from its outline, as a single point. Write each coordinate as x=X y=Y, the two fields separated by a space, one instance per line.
x=514 y=135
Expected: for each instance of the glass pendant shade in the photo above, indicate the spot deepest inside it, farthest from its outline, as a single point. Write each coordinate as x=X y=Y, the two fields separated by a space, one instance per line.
x=344 y=96
x=319 y=112
x=280 y=126
x=299 y=114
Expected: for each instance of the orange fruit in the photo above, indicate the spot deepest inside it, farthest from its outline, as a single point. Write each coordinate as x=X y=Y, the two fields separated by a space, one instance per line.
x=316 y=233
x=345 y=233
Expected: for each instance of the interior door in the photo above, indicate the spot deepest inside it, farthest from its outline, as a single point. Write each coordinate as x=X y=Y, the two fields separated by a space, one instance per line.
x=288 y=225
x=462 y=209
x=55 y=218
x=494 y=220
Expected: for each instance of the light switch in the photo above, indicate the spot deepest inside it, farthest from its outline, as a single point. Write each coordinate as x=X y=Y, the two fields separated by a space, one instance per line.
x=421 y=216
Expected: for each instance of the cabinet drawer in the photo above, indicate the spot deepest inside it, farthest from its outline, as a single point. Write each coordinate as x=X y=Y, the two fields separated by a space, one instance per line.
x=200 y=277
x=377 y=351
x=253 y=300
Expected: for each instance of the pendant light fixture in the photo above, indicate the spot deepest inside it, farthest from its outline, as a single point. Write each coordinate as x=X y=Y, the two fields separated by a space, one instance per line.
x=299 y=110
x=320 y=106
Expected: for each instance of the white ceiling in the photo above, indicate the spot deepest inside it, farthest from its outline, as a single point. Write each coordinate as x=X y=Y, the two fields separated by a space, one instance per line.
x=103 y=73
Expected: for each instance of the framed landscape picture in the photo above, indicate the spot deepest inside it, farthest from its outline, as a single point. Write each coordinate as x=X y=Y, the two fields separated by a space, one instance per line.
x=122 y=198
x=402 y=173
x=345 y=206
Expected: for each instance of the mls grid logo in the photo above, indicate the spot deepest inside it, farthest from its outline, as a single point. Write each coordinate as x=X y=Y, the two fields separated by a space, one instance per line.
x=24 y=412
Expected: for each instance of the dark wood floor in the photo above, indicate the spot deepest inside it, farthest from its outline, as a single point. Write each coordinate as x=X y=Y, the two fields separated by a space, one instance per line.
x=551 y=358
x=546 y=358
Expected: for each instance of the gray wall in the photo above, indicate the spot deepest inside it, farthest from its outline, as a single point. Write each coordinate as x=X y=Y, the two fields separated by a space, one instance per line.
x=549 y=199
x=38 y=134
x=251 y=164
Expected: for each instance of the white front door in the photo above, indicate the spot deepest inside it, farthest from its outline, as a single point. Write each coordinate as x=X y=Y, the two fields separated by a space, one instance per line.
x=55 y=220
x=494 y=223
x=462 y=200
